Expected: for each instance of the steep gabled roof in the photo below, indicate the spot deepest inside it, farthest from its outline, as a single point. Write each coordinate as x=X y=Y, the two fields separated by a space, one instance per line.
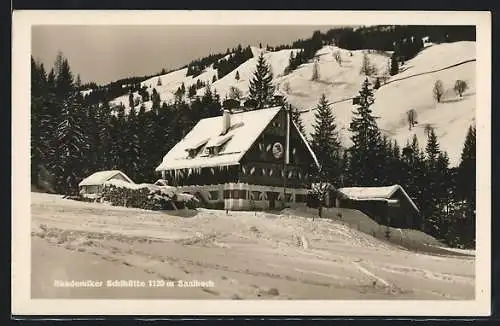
x=245 y=128
x=374 y=193
x=98 y=178
x=304 y=140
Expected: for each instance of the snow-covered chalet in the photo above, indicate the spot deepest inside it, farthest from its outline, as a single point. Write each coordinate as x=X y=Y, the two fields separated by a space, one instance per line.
x=388 y=205
x=242 y=160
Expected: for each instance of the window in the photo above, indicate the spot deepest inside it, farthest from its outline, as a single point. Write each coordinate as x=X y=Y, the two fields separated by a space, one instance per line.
x=214 y=195
x=212 y=150
x=235 y=194
x=299 y=198
x=255 y=195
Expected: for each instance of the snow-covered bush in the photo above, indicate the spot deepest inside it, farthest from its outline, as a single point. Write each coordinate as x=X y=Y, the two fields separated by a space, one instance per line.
x=146 y=196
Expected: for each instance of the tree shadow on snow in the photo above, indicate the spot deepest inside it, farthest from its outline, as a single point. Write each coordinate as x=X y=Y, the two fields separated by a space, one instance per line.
x=452 y=100
x=186 y=213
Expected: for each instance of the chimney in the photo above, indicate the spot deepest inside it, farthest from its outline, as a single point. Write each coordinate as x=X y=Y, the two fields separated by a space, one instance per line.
x=226 y=121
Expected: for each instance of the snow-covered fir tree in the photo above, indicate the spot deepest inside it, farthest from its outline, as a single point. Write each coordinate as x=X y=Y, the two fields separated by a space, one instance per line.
x=69 y=157
x=297 y=119
x=325 y=142
x=261 y=88
x=366 y=138
x=132 y=150
x=394 y=70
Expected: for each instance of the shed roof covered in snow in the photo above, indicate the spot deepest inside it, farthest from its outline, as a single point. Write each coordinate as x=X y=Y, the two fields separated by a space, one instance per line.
x=374 y=193
x=244 y=130
x=99 y=178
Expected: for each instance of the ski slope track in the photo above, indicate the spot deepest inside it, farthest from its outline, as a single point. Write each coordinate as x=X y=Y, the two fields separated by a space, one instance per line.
x=409 y=89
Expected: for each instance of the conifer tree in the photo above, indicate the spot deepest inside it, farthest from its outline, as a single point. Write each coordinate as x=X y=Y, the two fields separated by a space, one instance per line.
x=237 y=76
x=104 y=131
x=366 y=139
x=155 y=99
x=214 y=79
x=42 y=123
x=466 y=188
x=297 y=119
x=261 y=88
x=325 y=142
x=78 y=81
x=90 y=127
x=132 y=146
x=118 y=147
x=210 y=106
x=131 y=103
x=291 y=62
x=432 y=148
x=394 y=66
x=64 y=80
x=72 y=145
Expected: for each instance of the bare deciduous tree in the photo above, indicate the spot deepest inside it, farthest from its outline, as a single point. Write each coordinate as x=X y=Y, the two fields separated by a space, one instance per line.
x=235 y=93
x=337 y=57
x=367 y=68
x=411 y=117
x=427 y=129
x=320 y=190
x=315 y=74
x=438 y=90
x=286 y=87
x=460 y=87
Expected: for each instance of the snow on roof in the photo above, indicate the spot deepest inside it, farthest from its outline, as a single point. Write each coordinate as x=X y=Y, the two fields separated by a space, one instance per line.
x=98 y=178
x=251 y=125
x=374 y=193
x=245 y=128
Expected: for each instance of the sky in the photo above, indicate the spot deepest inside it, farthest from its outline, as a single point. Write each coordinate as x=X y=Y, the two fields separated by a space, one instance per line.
x=107 y=53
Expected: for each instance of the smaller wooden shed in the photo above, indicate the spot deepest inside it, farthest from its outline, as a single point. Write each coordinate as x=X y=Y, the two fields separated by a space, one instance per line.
x=388 y=205
x=91 y=186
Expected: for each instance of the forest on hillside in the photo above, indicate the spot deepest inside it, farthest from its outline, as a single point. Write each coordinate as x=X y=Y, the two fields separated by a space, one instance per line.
x=404 y=40
x=73 y=136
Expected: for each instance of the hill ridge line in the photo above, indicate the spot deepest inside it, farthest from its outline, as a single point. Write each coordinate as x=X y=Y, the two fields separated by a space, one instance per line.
x=399 y=79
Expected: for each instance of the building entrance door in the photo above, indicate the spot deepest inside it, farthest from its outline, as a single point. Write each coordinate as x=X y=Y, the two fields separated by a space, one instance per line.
x=271 y=197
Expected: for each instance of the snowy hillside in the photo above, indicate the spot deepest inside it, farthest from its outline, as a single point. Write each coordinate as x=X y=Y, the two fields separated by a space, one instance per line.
x=278 y=61
x=402 y=92
x=410 y=89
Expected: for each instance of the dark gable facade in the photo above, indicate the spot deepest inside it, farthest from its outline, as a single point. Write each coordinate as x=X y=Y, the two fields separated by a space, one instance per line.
x=264 y=163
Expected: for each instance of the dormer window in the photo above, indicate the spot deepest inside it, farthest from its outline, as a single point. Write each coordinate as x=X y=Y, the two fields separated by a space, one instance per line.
x=212 y=150
x=195 y=149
